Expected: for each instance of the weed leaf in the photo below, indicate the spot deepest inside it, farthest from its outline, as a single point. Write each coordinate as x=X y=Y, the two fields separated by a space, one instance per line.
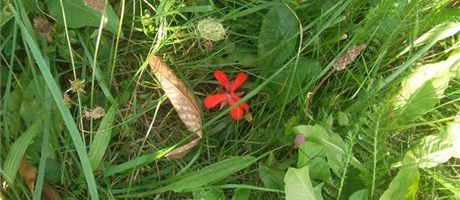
x=102 y=138
x=422 y=90
x=211 y=173
x=277 y=38
x=433 y=150
x=405 y=184
x=79 y=15
x=298 y=184
x=18 y=149
x=359 y=195
x=272 y=178
x=183 y=101
x=241 y=194
x=437 y=33
x=334 y=146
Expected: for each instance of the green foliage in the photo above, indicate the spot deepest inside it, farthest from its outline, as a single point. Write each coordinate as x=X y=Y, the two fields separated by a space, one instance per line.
x=422 y=90
x=272 y=178
x=392 y=102
x=405 y=183
x=210 y=174
x=277 y=38
x=298 y=184
x=433 y=150
x=17 y=150
x=78 y=15
x=102 y=138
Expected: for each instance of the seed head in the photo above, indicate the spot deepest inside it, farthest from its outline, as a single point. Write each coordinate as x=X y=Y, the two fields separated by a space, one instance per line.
x=210 y=29
x=77 y=86
x=96 y=113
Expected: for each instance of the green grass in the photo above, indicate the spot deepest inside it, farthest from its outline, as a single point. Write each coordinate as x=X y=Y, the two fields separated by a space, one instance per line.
x=370 y=130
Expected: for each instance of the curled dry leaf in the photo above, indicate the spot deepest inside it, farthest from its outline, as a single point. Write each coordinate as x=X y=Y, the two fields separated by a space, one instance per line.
x=349 y=57
x=183 y=101
x=28 y=173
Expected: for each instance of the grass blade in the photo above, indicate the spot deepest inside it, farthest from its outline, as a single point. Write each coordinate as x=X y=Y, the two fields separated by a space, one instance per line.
x=64 y=111
x=102 y=138
x=211 y=173
x=18 y=149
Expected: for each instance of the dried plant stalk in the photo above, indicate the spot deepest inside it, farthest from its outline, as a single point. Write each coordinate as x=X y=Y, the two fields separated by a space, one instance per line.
x=182 y=100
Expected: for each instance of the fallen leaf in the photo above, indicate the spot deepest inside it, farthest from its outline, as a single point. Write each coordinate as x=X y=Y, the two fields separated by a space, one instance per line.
x=182 y=100
x=28 y=173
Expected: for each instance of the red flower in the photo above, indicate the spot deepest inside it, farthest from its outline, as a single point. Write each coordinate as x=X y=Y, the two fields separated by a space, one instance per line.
x=228 y=95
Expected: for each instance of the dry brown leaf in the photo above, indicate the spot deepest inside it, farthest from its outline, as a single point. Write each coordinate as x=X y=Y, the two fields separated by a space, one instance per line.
x=183 y=101
x=183 y=150
x=349 y=57
x=28 y=173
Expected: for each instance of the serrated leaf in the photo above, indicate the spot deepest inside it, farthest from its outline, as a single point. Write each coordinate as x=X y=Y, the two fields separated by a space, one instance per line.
x=298 y=184
x=102 y=138
x=211 y=173
x=277 y=38
x=405 y=184
x=79 y=15
x=18 y=149
x=183 y=101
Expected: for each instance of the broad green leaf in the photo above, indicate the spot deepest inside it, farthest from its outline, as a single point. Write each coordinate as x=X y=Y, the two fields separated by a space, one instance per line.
x=211 y=174
x=312 y=155
x=213 y=195
x=359 y=195
x=433 y=150
x=308 y=151
x=318 y=191
x=405 y=184
x=422 y=90
x=79 y=15
x=241 y=194
x=277 y=38
x=334 y=146
x=298 y=184
x=292 y=82
x=18 y=149
x=102 y=138
x=437 y=33
x=34 y=100
x=272 y=178
x=453 y=129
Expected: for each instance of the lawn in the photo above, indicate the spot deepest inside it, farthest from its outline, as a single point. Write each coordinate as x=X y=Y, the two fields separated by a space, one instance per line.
x=237 y=99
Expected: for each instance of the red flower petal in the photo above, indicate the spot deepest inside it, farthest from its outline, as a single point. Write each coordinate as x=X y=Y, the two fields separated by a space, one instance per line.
x=245 y=106
x=222 y=78
x=240 y=79
x=236 y=113
x=236 y=98
x=212 y=100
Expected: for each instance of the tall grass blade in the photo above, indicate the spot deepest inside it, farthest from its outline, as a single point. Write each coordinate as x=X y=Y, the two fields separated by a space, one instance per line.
x=57 y=96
